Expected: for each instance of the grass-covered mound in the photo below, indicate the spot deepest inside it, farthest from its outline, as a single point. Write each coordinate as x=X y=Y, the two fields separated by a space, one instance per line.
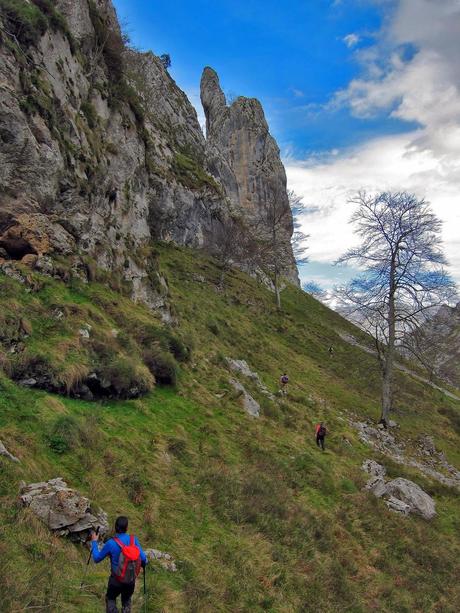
x=256 y=516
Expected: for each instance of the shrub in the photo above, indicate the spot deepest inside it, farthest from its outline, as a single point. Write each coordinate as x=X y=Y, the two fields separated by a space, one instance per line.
x=161 y=364
x=25 y=21
x=29 y=21
x=136 y=486
x=126 y=378
x=64 y=435
x=191 y=173
x=213 y=327
x=88 y=110
x=111 y=42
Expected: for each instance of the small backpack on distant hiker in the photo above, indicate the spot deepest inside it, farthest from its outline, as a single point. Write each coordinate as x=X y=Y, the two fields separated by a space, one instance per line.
x=284 y=379
x=129 y=562
x=322 y=431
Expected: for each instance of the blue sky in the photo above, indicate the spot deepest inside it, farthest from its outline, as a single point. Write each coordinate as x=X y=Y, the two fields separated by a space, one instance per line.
x=291 y=55
x=352 y=90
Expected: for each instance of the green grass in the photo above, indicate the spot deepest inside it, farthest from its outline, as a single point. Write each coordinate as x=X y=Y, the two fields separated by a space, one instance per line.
x=257 y=518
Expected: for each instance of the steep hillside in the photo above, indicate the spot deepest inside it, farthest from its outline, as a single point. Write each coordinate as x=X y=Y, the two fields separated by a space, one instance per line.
x=256 y=517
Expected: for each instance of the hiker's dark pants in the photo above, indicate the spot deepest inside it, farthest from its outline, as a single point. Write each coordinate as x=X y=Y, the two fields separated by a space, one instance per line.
x=115 y=589
x=320 y=442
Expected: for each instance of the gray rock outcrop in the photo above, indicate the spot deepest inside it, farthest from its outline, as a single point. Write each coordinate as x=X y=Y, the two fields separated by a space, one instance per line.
x=374 y=468
x=401 y=495
x=410 y=493
x=63 y=509
x=250 y=405
x=242 y=367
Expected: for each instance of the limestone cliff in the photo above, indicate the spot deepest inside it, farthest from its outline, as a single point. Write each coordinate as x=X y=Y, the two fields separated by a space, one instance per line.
x=101 y=152
x=244 y=156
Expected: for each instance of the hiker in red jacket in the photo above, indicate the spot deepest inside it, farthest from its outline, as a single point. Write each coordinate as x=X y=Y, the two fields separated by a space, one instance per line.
x=320 y=432
x=126 y=559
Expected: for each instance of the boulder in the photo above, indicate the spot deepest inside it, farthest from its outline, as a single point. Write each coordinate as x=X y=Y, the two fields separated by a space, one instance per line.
x=63 y=509
x=251 y=406
x=376 y=485
x=409 y=492
x=6 y=454
x=242 y=367
x=374 y=468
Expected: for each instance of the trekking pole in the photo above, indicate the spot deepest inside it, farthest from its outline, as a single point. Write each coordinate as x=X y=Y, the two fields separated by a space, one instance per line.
x=145 y=594
x=87 y=563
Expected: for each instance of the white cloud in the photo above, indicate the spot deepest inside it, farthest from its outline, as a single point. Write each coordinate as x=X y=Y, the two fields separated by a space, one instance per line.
x=412 y=74
x=351 y=39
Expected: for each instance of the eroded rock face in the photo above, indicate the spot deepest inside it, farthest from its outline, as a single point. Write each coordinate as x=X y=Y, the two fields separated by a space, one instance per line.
x=97 y=162
x=244 y=157
x=63 y=510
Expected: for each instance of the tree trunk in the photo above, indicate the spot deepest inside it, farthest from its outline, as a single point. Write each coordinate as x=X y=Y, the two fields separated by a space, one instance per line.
x=277 y=291
x=387 y=382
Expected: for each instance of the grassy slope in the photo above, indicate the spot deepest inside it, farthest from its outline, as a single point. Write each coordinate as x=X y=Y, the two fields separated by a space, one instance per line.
x=257 y=517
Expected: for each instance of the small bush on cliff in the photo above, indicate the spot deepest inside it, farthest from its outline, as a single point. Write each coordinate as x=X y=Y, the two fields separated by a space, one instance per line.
x=28 y=21
x=24 y=21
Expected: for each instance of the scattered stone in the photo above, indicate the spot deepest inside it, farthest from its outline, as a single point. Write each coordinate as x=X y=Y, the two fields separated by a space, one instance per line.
x=166 y=560
x=10 y=270
x=413 y=495
x=250 y=405
x=242 y=367
x=63 y=510
x=31 y=382
x=392 y=424
x=5 y=453
x=374 y=468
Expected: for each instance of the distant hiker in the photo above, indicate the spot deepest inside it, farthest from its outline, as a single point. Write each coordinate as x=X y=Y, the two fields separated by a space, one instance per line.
x=284 y=380
x=320 y=432
x=126 y=559
x=331 y=351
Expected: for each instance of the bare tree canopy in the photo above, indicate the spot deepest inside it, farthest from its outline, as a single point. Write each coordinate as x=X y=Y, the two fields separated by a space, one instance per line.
x=315 y=290
x=272 y=231
x=299 y=238
x=403 y=274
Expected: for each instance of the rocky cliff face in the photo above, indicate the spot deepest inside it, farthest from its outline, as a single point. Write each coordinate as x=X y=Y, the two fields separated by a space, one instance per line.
x=101 y=152
x=243 y=155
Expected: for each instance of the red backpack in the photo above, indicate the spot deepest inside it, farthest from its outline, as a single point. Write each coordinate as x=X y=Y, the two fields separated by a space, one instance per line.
x=129 y=562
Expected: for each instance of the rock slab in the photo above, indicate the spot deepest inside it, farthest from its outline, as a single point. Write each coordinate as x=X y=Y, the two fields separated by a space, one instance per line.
x=251 y=406
x=63 y=510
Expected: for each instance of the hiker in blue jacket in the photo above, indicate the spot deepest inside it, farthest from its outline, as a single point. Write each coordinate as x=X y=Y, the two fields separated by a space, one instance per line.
x=126 y=558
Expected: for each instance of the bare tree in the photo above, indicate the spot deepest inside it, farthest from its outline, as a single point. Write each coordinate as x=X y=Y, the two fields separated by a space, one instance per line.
x=403 y=273
x=315 y=290
x=272 y=231
x=232 y=246
x=299 y=238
